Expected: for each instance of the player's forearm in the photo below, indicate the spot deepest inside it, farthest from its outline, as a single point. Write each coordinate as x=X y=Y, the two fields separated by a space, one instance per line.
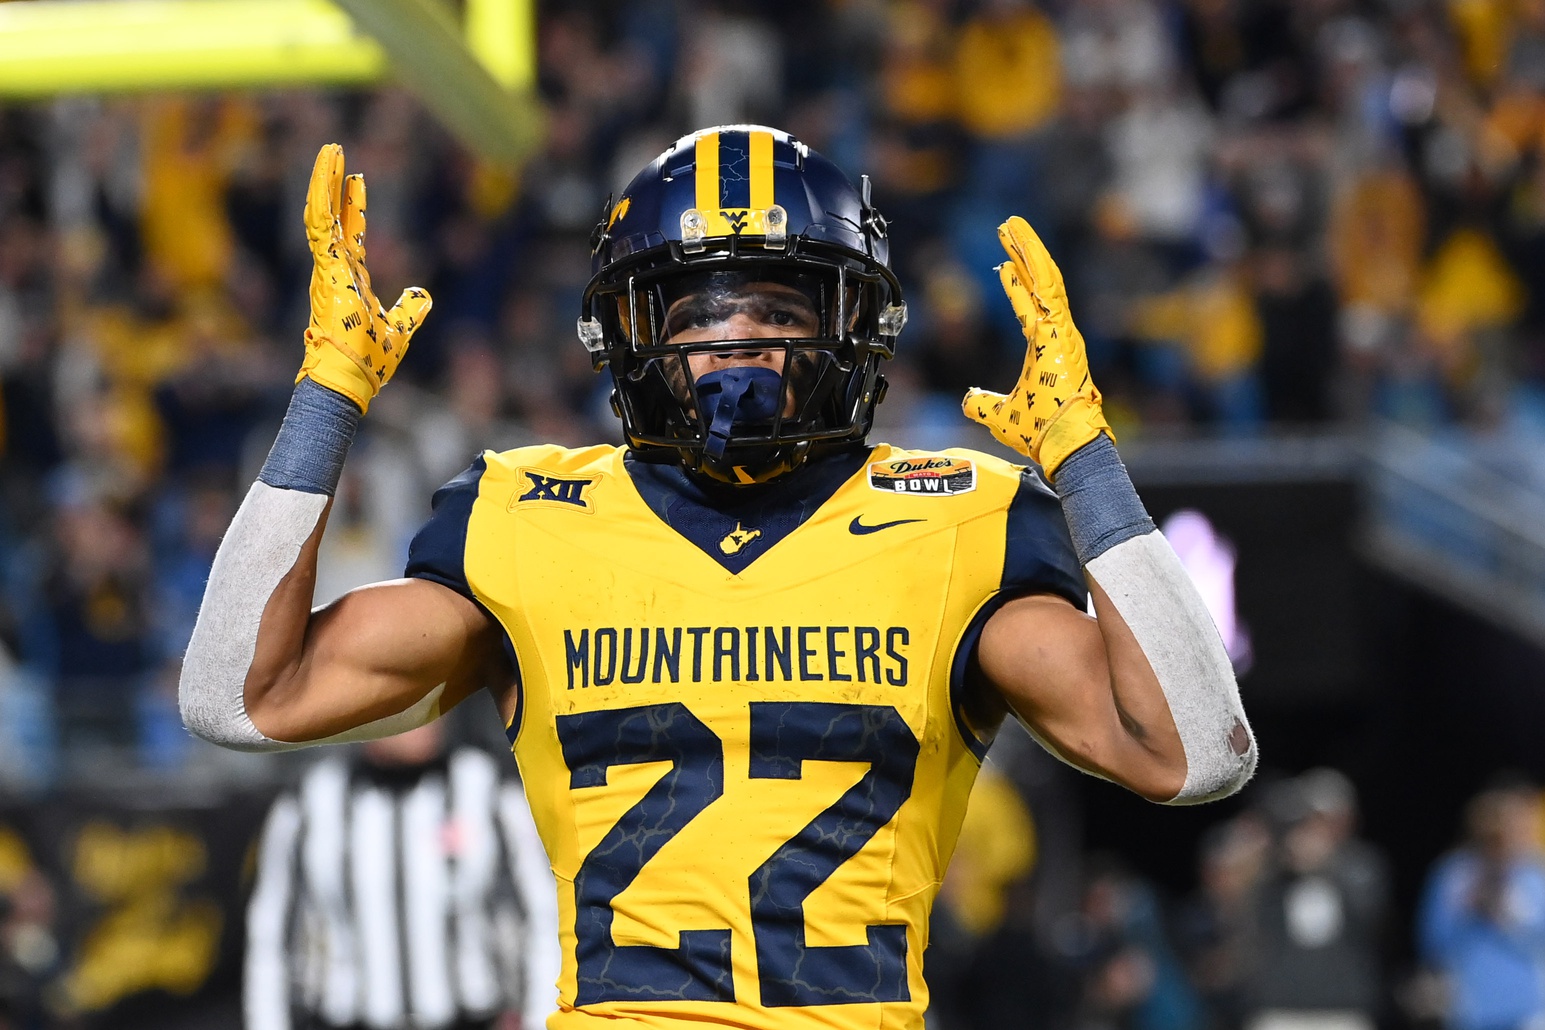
x=1164 y=618
x=254 y=626
x=251 y=626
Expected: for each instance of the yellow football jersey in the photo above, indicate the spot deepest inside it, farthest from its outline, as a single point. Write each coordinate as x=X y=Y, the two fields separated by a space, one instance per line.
x=739 y=726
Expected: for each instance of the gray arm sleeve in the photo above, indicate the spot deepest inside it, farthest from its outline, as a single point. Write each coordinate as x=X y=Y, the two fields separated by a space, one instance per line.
x=1154 y=595
x=260 y=548
x=1123 y=552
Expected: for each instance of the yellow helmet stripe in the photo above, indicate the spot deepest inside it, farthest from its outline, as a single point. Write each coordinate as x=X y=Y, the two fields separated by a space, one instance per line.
x=761 y=170
x=737 y=205
x=707 y=158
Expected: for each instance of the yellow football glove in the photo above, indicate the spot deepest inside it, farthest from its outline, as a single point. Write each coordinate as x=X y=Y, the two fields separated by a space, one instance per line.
x=352 y=345
x=1054 y=409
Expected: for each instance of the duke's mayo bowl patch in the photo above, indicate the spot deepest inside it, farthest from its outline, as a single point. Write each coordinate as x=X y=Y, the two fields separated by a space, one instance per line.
x=929 y=474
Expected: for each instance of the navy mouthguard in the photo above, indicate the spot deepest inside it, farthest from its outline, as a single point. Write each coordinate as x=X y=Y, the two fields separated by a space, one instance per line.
x=737 y=396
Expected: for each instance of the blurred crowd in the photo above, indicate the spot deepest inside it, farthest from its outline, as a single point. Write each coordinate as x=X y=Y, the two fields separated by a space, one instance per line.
x=1291 y=926
x=1270 y=214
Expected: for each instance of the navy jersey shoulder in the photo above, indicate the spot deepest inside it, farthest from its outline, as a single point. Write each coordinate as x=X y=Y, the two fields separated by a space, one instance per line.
x=439 y=549
x=1038 y=555
x=1038 y=558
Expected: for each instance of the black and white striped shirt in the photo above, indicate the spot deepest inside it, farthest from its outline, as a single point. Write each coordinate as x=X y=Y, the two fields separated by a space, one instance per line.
x=395 y=898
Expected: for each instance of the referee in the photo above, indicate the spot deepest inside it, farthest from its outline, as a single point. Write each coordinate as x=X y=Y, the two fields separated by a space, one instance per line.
x=401 y=886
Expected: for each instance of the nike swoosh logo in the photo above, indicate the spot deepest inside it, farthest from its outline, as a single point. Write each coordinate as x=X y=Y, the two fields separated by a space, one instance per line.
x=857 y=528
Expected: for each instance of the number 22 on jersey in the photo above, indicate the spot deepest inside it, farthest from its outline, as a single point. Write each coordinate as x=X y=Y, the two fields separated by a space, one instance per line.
x=784 y=735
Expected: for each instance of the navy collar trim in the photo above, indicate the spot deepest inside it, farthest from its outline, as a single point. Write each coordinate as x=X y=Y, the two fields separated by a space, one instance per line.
x=737 y=525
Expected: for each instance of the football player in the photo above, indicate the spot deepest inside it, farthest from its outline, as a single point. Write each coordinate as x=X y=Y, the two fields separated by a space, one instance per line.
x=750 y=662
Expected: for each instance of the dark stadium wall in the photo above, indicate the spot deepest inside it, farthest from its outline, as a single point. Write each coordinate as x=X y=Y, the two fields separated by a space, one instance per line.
x=1420 y=702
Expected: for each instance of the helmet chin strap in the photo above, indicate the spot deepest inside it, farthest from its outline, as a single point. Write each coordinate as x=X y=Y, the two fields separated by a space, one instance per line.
x=737 y=396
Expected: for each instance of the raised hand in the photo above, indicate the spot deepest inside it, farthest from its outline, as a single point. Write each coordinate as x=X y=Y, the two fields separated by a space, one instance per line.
x=1054 y=408
x=353 y=345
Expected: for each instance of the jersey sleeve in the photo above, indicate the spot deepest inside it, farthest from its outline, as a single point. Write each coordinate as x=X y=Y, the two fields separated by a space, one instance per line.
x=1038 y=558
x=439 y=549
x=1038 y=555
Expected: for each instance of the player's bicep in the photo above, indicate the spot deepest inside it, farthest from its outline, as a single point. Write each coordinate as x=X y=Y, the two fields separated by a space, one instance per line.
x=376 y=652
x=1047 y=661
x=1086 y=690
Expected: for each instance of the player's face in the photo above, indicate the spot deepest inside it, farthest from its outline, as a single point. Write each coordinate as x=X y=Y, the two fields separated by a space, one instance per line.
x=729 y=310
x=749 y=311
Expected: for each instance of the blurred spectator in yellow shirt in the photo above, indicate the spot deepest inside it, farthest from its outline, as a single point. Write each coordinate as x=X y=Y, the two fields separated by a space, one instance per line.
x=915 y=145
x=1375 y=242
x=1467 y=299
x=189 y=147
x=996 y=847
x=1212 y=323
x=1484 y=28
x=1008 y=71
x=1008 y=86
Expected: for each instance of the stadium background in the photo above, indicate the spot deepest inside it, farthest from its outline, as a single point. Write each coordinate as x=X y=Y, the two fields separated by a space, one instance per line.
x=1305 y=242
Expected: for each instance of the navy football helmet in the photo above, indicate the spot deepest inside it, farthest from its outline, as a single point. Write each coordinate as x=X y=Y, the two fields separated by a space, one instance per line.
x=724 y=213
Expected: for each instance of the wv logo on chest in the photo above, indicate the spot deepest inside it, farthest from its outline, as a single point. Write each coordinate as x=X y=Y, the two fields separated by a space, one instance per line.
x=556 y=490
x=738 y=539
